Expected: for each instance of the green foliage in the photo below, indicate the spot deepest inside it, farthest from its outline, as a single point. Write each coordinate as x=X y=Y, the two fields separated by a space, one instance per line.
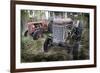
x=41 y=56
x=24 y=13
x=84 y=52
x=24 y=19
x=38 y=15
x=31 y=51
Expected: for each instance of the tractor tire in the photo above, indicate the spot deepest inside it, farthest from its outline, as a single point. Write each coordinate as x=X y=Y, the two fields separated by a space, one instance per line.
x=36 y=34
x=47 y=44
x=26 y=33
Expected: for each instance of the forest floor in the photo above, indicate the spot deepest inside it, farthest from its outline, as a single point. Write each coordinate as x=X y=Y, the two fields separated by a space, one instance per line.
x=32 y=50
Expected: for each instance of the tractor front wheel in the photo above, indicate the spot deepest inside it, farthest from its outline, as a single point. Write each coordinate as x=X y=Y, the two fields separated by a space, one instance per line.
x=47 y=44
x=36 y=34
x=26 y=33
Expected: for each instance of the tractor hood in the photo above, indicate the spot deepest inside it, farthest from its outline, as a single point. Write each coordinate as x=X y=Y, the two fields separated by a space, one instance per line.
x=63 y=21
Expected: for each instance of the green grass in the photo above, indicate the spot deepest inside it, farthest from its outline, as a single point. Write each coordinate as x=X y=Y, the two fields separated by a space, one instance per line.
x=32 y=51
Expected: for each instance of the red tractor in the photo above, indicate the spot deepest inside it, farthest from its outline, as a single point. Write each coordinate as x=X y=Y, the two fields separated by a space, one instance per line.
x=36 y=29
